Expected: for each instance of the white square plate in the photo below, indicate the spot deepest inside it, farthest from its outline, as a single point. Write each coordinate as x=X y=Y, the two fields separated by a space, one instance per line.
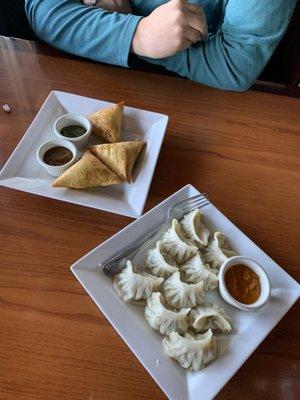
x=146 y=344
x=23 y=172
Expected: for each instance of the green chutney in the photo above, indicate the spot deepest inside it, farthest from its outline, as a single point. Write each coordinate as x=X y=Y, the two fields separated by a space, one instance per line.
x=73 y=131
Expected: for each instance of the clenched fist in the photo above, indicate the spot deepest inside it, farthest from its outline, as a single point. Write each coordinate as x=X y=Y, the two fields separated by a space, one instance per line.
x=170 y=28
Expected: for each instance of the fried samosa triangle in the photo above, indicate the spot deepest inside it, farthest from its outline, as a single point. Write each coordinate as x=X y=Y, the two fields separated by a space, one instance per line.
x=118 y=157
x=88 y=172
x=107 y=123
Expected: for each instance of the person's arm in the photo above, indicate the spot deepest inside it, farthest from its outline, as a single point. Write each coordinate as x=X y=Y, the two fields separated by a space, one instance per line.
x=85 y=31
x=235 y=56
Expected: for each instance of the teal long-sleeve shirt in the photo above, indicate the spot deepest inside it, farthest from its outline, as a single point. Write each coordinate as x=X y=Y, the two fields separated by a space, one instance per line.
x=242 y=36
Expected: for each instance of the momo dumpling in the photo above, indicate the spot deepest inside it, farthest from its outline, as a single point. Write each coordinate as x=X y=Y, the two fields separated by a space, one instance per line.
x=217 y=251
x=179 y=294
x=209 y=316
x=192 y=352
x=174 y=243
x=159 y=262
x=131 y=286
x=195 y=271
x=163 y=320
x=193 y=228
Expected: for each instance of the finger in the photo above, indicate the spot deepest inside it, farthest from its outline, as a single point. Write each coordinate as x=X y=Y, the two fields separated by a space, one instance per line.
x=90 y=2
x=198 y=23
x=192 y=35
x=186 y=44
x=193 y=8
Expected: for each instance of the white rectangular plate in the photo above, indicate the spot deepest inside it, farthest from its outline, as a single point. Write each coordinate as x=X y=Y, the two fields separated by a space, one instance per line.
x=23 y=172
x=129 y=321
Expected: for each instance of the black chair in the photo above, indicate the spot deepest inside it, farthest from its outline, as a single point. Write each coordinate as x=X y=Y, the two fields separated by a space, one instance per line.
x=13 y=20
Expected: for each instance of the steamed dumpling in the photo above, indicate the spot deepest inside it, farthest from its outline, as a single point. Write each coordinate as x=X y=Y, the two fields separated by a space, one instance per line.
x=190 y=351
x=132 y=286
x=195 y=271
x=193 y=228
x=159 y=262
x=209 y=316
x=163 y=320
x=217 y=251
x=174 y=243
x=180 y=294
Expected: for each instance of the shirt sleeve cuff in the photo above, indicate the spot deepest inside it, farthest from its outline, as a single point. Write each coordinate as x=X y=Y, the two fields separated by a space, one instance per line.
x=170 y=63
x=126 y=39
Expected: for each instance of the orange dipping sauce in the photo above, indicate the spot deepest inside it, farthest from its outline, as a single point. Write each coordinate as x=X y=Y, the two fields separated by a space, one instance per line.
x=243 y=284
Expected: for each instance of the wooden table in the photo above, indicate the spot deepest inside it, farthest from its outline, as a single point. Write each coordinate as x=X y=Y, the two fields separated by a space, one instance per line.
x=242 y=149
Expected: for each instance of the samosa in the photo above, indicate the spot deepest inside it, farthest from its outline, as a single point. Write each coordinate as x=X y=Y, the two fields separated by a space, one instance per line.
x=107 y=123
x=88 y=172
x=118 y=157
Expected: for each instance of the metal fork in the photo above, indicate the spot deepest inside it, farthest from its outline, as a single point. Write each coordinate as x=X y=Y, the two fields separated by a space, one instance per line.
x=115 y=264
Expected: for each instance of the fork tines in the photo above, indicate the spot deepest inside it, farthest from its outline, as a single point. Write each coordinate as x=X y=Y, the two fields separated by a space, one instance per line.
x=200 y=200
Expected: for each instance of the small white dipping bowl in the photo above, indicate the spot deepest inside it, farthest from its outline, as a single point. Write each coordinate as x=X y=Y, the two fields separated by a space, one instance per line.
x=74 y=119
x=56 y=170
x=265 y=287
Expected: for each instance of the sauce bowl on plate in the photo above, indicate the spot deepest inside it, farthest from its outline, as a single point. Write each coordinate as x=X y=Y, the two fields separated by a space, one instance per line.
x=74 y=128
x=243 y=283
x=56 y=156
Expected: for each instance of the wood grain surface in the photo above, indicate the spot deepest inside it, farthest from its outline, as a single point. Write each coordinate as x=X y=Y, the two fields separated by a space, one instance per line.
x=242 y=149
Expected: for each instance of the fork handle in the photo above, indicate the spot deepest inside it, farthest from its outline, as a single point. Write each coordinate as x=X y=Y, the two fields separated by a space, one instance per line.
x=143 y=246
x=113 y=265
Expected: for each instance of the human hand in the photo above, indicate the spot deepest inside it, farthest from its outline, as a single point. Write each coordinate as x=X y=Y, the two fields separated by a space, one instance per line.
x=120 y=6
x=170 y=28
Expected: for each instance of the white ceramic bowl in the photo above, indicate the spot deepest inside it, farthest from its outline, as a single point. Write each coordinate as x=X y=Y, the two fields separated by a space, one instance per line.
x=74 y=119
x=53 y=169
x=263 y=277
